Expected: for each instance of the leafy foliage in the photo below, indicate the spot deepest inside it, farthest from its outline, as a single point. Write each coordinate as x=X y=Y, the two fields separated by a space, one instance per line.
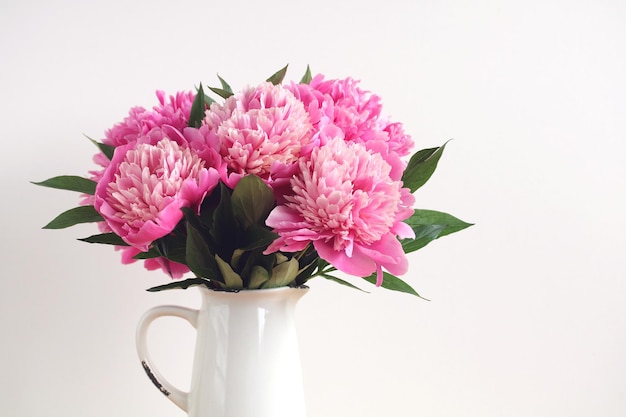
x=421 y=167
x=71 y=183
x=72 y=217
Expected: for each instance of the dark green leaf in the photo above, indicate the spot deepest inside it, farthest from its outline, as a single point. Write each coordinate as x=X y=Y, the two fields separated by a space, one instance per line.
x=232 y=280
x=105 y=238
x=239 y=255
x=306 y=78
x=225 y=85
x=342 y=282
x=107 y=150
x=391 y=282
x=70 y=183
x=199 y=258
x=208 y=100
x=184 y=284
x=192 y=218
x=196 y=116
x=431 y=217
x=207 y=209
x=258 y=277
x=252 y=201
x=225 y=230
x=283 y=274
x=309 y=264
x=173 y=248
x=421 y=167
x=278 y=76
x=322 y=263
x=173 y=245
x=244 y=263
x=257 y=236
x=152 y=253
x=424 y=234
x=220 y=92
x=71 y=217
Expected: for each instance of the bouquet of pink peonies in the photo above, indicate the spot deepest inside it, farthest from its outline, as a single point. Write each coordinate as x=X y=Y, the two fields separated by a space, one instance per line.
x=270 y=187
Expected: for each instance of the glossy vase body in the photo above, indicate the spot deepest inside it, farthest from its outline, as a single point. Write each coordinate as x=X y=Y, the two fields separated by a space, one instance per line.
x=246 y=361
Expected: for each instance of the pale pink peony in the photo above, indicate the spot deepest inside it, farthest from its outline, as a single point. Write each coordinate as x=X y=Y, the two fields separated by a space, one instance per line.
x=345 y=202
x=147 y=183
x=260 y=131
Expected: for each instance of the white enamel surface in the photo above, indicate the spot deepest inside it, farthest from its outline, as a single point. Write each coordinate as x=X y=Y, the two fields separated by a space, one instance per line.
x=246 y=361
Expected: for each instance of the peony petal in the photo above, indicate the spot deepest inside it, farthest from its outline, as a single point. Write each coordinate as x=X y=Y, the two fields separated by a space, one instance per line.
x=358 y=264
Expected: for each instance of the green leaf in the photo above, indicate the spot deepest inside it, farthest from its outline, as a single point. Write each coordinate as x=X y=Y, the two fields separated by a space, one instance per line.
x=71 y=217
x=225 y=85
x=184 y=284
x=424 y=234
x=208 y=100
x=173 y=248
x=257 y=236
x=199 y=258
x=196 y=116
x=322 y=263
x=152 y=253
x=192 y=218
x=421 y=167
x=306 y=272
x=431 y=217
x=258 y=277
x=70 y=183
x=278 y=76
x=342 y=282
x=225 y=230
x=252 y=201
x=232 y=280
x=105 y=238
x=173 y=245
x=207 y=208
x=283 y=274
x=107 y=150
x=245 y=261
x=306 y=78
x=393 y=283
x=238 y=255
x=221 y=92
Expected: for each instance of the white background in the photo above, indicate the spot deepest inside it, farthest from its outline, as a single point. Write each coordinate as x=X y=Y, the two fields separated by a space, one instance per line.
x=527 y=316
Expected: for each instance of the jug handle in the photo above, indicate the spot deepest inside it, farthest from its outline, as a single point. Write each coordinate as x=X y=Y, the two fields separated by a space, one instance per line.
x=175 y=395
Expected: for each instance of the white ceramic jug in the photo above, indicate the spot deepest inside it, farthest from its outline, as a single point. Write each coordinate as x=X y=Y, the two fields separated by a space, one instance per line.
x=246 y=361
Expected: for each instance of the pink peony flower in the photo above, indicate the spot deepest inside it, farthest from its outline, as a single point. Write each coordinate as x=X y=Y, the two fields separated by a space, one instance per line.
x=174 y=269
x=173 y=112
x=355 y=111
x=260 y=131
x=341 y=108
x=147 y=183
x=347 y=205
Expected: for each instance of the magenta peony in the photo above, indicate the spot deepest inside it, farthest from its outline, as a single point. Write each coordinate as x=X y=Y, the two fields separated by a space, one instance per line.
x=147 y=183
x=173 y=269
x=347 y=205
